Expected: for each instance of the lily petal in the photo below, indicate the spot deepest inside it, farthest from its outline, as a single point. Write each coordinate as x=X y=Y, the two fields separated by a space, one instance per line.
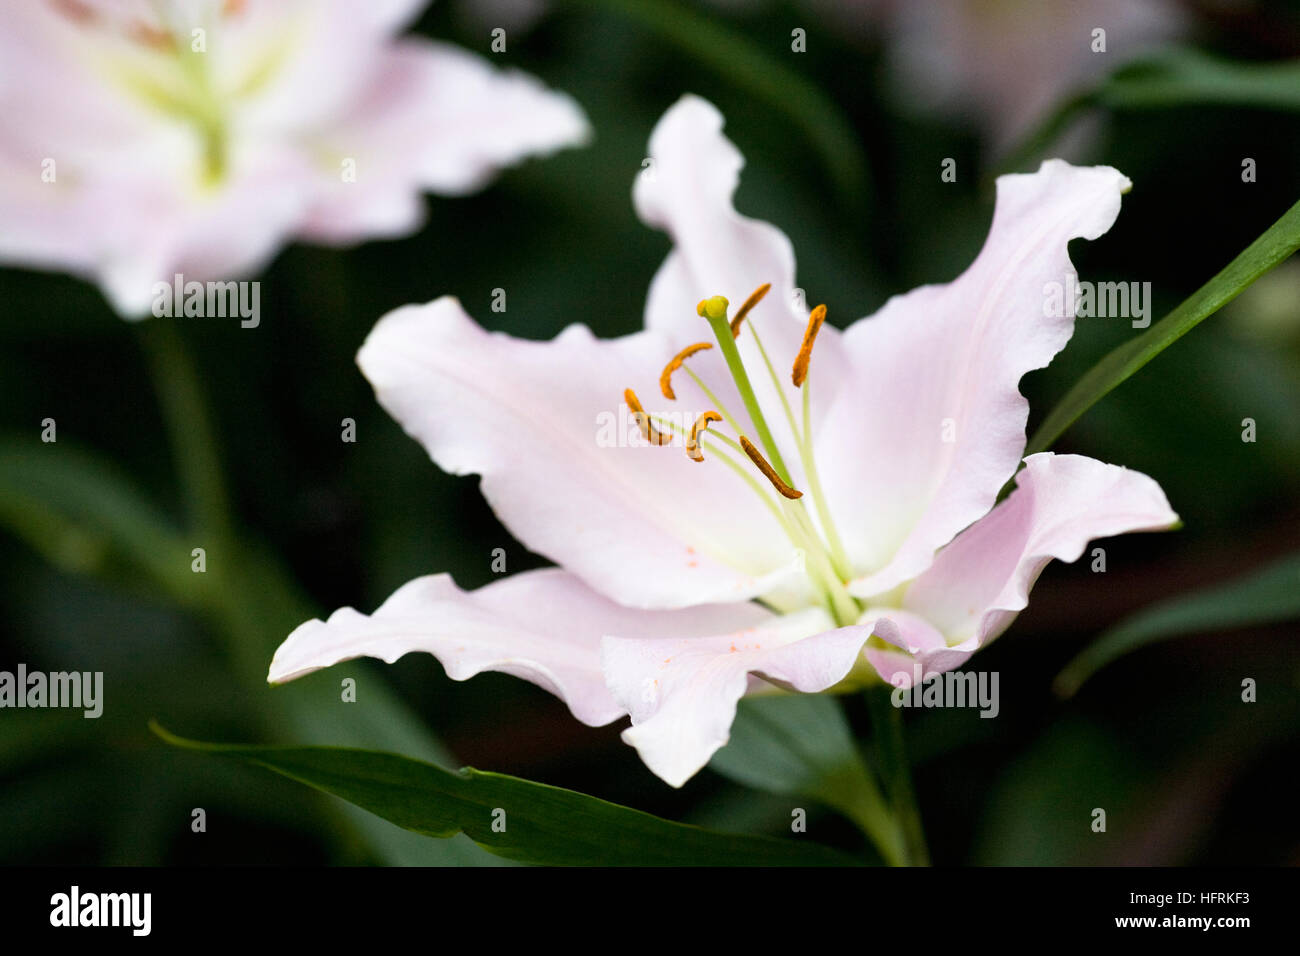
x=981 y=581
x=127 y=167
x=542 y=626
x=682 y=692
x=542 y=423
x=438 y=118
x=933 y=423
x=913 y=642
x=687 y=191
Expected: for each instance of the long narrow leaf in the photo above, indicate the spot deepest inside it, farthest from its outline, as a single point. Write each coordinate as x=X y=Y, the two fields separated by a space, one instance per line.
x=1263 y=597
x=514 y=818
x=1277 y=244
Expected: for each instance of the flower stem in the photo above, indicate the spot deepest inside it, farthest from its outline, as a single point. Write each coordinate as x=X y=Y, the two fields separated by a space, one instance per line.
x=203 y=489
x=189 y=427
x=887 y=727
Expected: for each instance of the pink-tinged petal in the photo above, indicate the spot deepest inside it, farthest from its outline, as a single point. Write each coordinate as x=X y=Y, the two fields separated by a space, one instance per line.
x=563 y=464
x=980 y=582
x=439 y=118
x=932 y=423
x=542 y=626
x=295 y=66
x=687 y=191
x=681 y=692
x=130 y=231
x=1007 y=64
x=916 y=647
x=145 y=189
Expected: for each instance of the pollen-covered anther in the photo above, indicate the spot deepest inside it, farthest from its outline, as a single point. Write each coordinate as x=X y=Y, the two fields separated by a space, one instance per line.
x=815 y=320
x=768 y=471
x=693 y=439
x=648 y=431
x=666 y=377
x=755 y=297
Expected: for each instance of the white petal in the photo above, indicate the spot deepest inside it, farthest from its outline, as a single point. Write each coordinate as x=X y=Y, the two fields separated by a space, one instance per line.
x=434 y=117
x=687 y=192
x=682 y=692
x=980 y=582
x=542 y=626
x=932 y=423
x=544 y=424
x=917 y=648
x=303 y=84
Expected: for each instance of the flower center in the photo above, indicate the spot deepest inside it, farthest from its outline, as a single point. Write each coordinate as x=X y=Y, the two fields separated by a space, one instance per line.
x=825 y=560
x=161 y=58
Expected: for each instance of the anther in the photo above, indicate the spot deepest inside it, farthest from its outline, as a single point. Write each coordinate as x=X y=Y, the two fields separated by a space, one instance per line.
x=648 y=431
x=693 y=440
x=755 y=297
x=768 y=471
x=666 y=377
x=815 y=321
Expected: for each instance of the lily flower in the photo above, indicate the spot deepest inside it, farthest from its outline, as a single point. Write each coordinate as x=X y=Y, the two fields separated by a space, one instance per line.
x=143 y=139
x=822 y=513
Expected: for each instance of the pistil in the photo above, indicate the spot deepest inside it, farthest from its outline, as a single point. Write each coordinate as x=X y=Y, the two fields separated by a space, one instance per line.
x=715 y=311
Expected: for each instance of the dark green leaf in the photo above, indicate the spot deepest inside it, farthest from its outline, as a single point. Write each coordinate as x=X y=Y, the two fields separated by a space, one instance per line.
x=1277 y=243
x=1263 y=597
x=535 y=823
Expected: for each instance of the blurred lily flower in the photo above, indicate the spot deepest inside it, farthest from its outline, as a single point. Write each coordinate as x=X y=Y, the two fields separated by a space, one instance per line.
x=1006 y=63
x=801 y=530
x=145 y=139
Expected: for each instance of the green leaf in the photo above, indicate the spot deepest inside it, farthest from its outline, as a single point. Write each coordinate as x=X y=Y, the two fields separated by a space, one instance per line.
x=1186 y=77
x=1263 y=597
x=801 y=745
x=1276 y=244
x=78 y=512
x=82 y=516
x=534 y=822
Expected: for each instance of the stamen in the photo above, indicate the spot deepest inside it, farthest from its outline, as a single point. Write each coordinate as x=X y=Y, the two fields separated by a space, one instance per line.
x=755 y=297
x=815 y=321
x=648 y=431
x=768 y=471
x=666 y=377
x=693 y=440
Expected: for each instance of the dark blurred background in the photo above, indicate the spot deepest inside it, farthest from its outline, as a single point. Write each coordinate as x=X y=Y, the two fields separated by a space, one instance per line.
x=1189 y=773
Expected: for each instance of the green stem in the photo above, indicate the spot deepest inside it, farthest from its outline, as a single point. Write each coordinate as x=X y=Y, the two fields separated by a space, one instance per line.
x=864 y=804
x=207 y=504
x=887 y=725
x=189 y=427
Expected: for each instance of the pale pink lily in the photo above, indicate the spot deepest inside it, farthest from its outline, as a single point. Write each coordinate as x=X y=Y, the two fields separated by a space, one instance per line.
x=685 y=584
x=143 y=139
